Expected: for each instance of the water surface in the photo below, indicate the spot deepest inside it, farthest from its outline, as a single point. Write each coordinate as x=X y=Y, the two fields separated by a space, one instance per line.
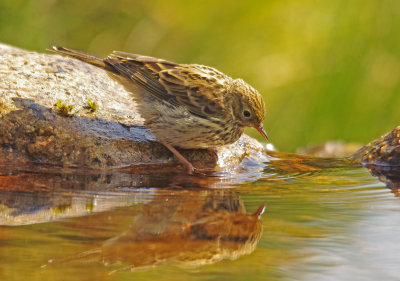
x=324 y=220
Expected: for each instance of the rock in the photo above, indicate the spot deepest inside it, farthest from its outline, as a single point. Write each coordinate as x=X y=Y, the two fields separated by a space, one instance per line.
x=382 y=158
x=59 y=111
x=382 y=151
x=333 y=149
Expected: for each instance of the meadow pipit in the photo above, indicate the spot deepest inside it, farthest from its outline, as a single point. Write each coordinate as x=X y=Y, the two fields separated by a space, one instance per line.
x=184 y=105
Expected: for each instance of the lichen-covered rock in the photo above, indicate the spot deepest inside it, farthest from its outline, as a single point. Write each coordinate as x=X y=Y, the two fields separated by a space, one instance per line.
x=382 y=158
x=383 y=151
x=60 y=111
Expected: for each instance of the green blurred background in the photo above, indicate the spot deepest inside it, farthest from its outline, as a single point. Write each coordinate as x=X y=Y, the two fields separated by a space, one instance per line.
x=328 y=70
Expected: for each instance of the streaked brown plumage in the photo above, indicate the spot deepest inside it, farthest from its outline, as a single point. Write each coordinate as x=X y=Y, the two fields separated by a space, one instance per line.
x=184 y=105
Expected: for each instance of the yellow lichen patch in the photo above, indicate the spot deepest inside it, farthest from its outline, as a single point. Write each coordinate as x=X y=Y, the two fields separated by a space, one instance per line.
x=92 y=106
x=63 y=109
x=46 y=141
x=5 y=107
x=2 y=107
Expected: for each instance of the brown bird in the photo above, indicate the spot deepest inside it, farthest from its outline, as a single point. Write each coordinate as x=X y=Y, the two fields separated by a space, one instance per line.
x=187 y=106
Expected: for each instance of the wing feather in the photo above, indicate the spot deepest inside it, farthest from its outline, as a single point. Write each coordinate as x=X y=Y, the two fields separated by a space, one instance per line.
x=199 y=88
x=191 y=86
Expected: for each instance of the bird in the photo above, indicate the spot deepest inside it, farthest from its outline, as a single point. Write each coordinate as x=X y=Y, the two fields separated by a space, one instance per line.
x=188 y=106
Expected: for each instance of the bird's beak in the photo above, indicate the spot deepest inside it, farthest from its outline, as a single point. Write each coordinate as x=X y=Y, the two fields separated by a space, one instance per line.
x=262 y=131
x=260 y=211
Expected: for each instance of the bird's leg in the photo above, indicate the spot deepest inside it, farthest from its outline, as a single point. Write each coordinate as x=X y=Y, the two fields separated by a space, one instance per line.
x=182 y=159
x=213 y=151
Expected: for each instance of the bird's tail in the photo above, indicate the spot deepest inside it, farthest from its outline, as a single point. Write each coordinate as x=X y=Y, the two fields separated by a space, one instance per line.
x=94 y=60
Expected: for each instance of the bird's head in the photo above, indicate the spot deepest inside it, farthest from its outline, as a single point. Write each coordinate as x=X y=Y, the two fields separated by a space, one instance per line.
x=248 y=106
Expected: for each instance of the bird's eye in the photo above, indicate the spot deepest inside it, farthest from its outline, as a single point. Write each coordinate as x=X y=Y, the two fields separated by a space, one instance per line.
x=246 y=113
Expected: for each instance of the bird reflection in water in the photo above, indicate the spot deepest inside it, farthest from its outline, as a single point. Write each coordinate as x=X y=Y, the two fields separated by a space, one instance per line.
x=185 y=228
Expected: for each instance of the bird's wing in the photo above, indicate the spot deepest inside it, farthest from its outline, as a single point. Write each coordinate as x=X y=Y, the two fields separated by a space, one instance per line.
x=200 y=88
x=143 y=71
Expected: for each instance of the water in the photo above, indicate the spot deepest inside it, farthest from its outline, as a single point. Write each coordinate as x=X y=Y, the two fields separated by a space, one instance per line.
x=324 y=220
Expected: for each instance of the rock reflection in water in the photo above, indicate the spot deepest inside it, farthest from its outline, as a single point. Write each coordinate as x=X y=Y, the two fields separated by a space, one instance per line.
x=186 y=228
x=38 y=193
x=167 y=218
x=390 y=175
